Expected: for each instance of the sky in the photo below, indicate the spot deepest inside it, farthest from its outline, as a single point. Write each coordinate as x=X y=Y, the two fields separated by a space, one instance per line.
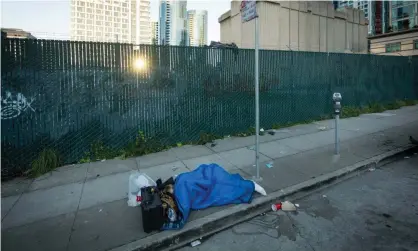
x=51 y=19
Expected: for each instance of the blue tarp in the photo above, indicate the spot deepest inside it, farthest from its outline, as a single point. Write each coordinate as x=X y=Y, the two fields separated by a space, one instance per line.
x=207 y=186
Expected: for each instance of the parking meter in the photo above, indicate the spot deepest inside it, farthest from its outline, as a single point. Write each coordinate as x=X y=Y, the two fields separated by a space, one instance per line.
x=337 y=102
x=336 y=97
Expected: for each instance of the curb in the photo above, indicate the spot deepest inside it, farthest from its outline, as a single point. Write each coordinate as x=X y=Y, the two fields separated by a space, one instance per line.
x=218 y=221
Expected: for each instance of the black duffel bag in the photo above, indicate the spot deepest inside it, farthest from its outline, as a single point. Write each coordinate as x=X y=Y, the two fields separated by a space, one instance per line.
x=152 y=209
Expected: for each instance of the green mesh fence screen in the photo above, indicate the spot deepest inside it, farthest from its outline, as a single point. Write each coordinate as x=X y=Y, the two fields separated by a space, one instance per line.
x=67 y=95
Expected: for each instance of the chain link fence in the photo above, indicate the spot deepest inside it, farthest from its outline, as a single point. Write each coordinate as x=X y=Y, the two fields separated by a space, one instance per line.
x=130 y=100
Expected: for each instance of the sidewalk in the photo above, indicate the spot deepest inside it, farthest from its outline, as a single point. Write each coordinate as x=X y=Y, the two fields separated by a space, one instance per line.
x=83 y=207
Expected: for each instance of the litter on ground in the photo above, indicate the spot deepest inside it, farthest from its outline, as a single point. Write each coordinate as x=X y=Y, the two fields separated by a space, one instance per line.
x=286 y=206
x=195 y=243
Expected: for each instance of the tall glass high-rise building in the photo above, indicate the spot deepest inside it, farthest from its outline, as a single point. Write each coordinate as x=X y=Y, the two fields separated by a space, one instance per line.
x=197 y=21
x=154 y=32
x=403 y=14
x=173 y=22
x=377 y=12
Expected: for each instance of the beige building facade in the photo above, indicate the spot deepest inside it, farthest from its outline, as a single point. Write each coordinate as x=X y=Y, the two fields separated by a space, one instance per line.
x=122 y=21
x=197 y=26
x=298 y=26
x=16 y=33
x=154 y=32
x=402 y=43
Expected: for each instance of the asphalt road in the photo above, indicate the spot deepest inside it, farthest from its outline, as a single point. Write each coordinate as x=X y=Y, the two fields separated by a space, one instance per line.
x=374 y=211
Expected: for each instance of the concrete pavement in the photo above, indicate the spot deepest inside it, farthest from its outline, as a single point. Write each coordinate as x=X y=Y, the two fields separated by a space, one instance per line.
x=83 y=207
x=374 y=211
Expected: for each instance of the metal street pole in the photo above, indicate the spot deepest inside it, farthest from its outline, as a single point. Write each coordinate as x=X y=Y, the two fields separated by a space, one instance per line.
x=336 y=97
x=257 y=102
x=337 y=136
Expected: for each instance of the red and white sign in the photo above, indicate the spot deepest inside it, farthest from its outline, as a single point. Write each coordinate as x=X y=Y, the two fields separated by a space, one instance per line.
x=248 y=10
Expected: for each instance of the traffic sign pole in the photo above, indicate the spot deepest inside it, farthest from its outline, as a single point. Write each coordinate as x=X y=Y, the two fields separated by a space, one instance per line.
x=248 y=13
x=257 y=101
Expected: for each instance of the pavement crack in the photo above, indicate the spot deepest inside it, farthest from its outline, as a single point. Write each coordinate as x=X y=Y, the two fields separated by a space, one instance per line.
x=76 y=212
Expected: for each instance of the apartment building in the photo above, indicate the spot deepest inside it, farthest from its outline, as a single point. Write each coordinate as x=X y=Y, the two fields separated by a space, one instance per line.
x=124 y=21
x=173 y=22
x=403 y=15
x=362 y=5
x=397 y=43
x=197 y=25
x=376 y=12
x=154 y=32
x=16 y=33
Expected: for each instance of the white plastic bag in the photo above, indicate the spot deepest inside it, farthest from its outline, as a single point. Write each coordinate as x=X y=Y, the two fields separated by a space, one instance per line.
x=138 y=180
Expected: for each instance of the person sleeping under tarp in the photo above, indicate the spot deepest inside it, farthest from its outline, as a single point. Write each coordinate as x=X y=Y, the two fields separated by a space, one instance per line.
x=207 y=186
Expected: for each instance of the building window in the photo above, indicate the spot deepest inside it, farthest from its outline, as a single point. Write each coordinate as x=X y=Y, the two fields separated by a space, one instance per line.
x=393 y=47
x=416 y=44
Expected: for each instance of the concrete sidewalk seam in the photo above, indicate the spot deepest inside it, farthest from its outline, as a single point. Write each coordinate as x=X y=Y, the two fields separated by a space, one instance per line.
x=8 y=211
x=75 y=214
x=202 y=227
x=20 y=196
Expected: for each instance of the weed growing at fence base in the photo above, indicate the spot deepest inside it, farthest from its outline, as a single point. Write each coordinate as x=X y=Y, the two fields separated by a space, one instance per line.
x=350 y=111
x=143 y=145
x=205 y=138
x=47 y=161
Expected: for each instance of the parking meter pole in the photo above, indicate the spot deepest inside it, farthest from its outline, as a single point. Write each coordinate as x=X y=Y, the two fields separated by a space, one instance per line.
x=336 y=97
x=257 y=102
x=337 y=136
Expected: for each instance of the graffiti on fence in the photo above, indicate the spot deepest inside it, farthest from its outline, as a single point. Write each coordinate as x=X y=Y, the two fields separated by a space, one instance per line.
x=13 y=105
